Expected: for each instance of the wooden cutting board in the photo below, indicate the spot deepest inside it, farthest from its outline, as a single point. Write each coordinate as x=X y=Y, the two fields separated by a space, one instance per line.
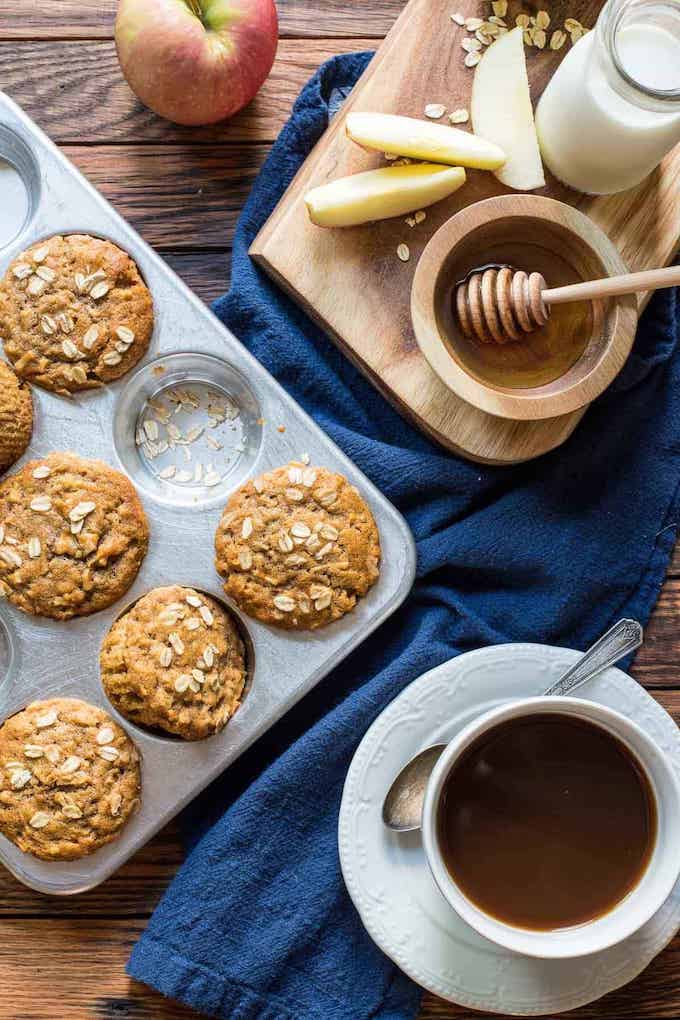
x=352 y=283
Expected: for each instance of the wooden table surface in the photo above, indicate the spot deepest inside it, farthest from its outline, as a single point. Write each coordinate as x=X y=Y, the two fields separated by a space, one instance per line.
x=64 y=959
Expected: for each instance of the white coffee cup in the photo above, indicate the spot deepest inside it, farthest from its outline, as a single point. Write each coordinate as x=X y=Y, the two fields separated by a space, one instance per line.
x=630 y=913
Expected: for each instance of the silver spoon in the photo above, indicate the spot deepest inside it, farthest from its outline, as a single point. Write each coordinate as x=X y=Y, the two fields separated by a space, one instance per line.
x=403 y=805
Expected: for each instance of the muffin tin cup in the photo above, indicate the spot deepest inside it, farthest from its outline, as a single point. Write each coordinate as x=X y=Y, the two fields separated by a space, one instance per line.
x=46 y=658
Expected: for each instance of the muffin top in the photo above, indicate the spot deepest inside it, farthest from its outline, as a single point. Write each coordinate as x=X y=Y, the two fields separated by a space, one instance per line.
x=175 y=661
x=74 y=312
x=16 y=416
x=297 y=547
x=69 y=779
x=73 y=535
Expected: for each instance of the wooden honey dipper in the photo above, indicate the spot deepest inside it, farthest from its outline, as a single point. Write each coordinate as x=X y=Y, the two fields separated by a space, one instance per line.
x=497 y=304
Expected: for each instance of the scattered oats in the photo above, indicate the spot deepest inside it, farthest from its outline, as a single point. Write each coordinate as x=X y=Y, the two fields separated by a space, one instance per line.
x=115 y=803
x=183 y=476
x=41 y=503
x=295 y=475
x=77 y=527
x=194 y=433
x=182 y=683
x=69 y=348
x=327 y=497
x=317 y=591
x=522 y=21
x=21 y=270
x=389 y=156
x=19 y=778
x=305 y=458
x=207 y=616
x=173 y=431
x=126 y=335
x=328 y=532
x=193 y=623
x=167 y=472
x=168 y=617
x=198 y=472
x=459 y=116
x=47 y=719
x=410 y=221
x=105 y=735
x=53 y=754
x=472 y=24
x=470 y=45
x=285 y=603
x=81 y=510
x=539 y=38
x=458 y=18
x=99 y=290
x=33 y=751
x=11 y=558
x=294 y=495
x=528 y=36
x=71 y=810
x=500 y=8
x=72 y=764
x=11 y=541
x=404 y=252
x=42 y=471
x=151 y=429
x=300 y=530
x=46 y=274
x=245 y=559
x=258 y=484
x=211 y=478
x=34 y=547
x=323 y=602
x=324 y=550
x=557 y=40
x=111 y=359
x=39 y=820
x=48 y=325
x=472 y=59
x=165 y=657
x=495 y=21
x=484 y=38
x=435 y=110
x=247 y=527
x=309 y=476
x=194 y=601
x=285 y=542
x=572 y=25
x=421 y=216
x=78 y=373
x=198 y=675
x=40 y=254
x=176 y=642
x=35 y=286
x=209 y=656
x=542 y=19
x=109 y=753
x=214 y=443
x=2 y=533
x=80 y=282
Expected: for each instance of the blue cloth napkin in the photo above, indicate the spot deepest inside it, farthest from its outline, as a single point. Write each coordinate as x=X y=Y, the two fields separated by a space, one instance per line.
x=257 y=924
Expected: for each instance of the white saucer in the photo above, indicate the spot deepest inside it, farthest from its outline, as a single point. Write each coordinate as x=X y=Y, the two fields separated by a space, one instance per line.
x=387 y=875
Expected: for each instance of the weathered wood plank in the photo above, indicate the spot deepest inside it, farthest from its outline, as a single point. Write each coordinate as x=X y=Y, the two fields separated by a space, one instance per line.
x=207 y=273
x=175 y=195
x=72 y=19
x=81 y=976
x=77 y=94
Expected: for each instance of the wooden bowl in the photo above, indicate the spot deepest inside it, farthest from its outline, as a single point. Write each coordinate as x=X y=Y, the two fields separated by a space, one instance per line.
x=556 y=369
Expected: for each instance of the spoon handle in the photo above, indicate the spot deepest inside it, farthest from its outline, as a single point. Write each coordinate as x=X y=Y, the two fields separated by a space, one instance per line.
x=629 y=283
x=625 y=636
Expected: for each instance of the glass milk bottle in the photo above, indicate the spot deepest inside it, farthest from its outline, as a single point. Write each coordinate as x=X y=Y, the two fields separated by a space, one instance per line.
x=612 y=109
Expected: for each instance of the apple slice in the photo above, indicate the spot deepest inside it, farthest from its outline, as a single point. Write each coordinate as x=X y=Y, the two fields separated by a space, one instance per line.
x=501 y=111
x=421 y=139
x=379 y=194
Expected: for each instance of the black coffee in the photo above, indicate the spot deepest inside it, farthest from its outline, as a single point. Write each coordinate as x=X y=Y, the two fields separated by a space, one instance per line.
x=546 y=821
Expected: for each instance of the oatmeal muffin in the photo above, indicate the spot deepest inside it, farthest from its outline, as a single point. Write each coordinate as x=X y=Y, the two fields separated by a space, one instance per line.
x=75 y=313
x=69 y=779
x=297 y=547
x=16 y=416
x=175 y=662
x=73 y=535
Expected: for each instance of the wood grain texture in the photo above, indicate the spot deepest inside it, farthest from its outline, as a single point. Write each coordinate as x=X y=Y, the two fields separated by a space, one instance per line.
x=180 y=195
x=76 y=93
x=73 y=19
x=367 y=310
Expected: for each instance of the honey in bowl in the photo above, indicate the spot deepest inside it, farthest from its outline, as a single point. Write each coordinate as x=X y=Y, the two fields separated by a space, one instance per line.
x=546 y=821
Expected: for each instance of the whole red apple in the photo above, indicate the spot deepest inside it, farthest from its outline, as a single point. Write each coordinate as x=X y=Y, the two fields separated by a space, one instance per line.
x=196 y=61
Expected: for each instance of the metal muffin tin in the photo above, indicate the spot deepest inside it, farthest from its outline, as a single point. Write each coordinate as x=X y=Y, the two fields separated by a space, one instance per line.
x=42 y=658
